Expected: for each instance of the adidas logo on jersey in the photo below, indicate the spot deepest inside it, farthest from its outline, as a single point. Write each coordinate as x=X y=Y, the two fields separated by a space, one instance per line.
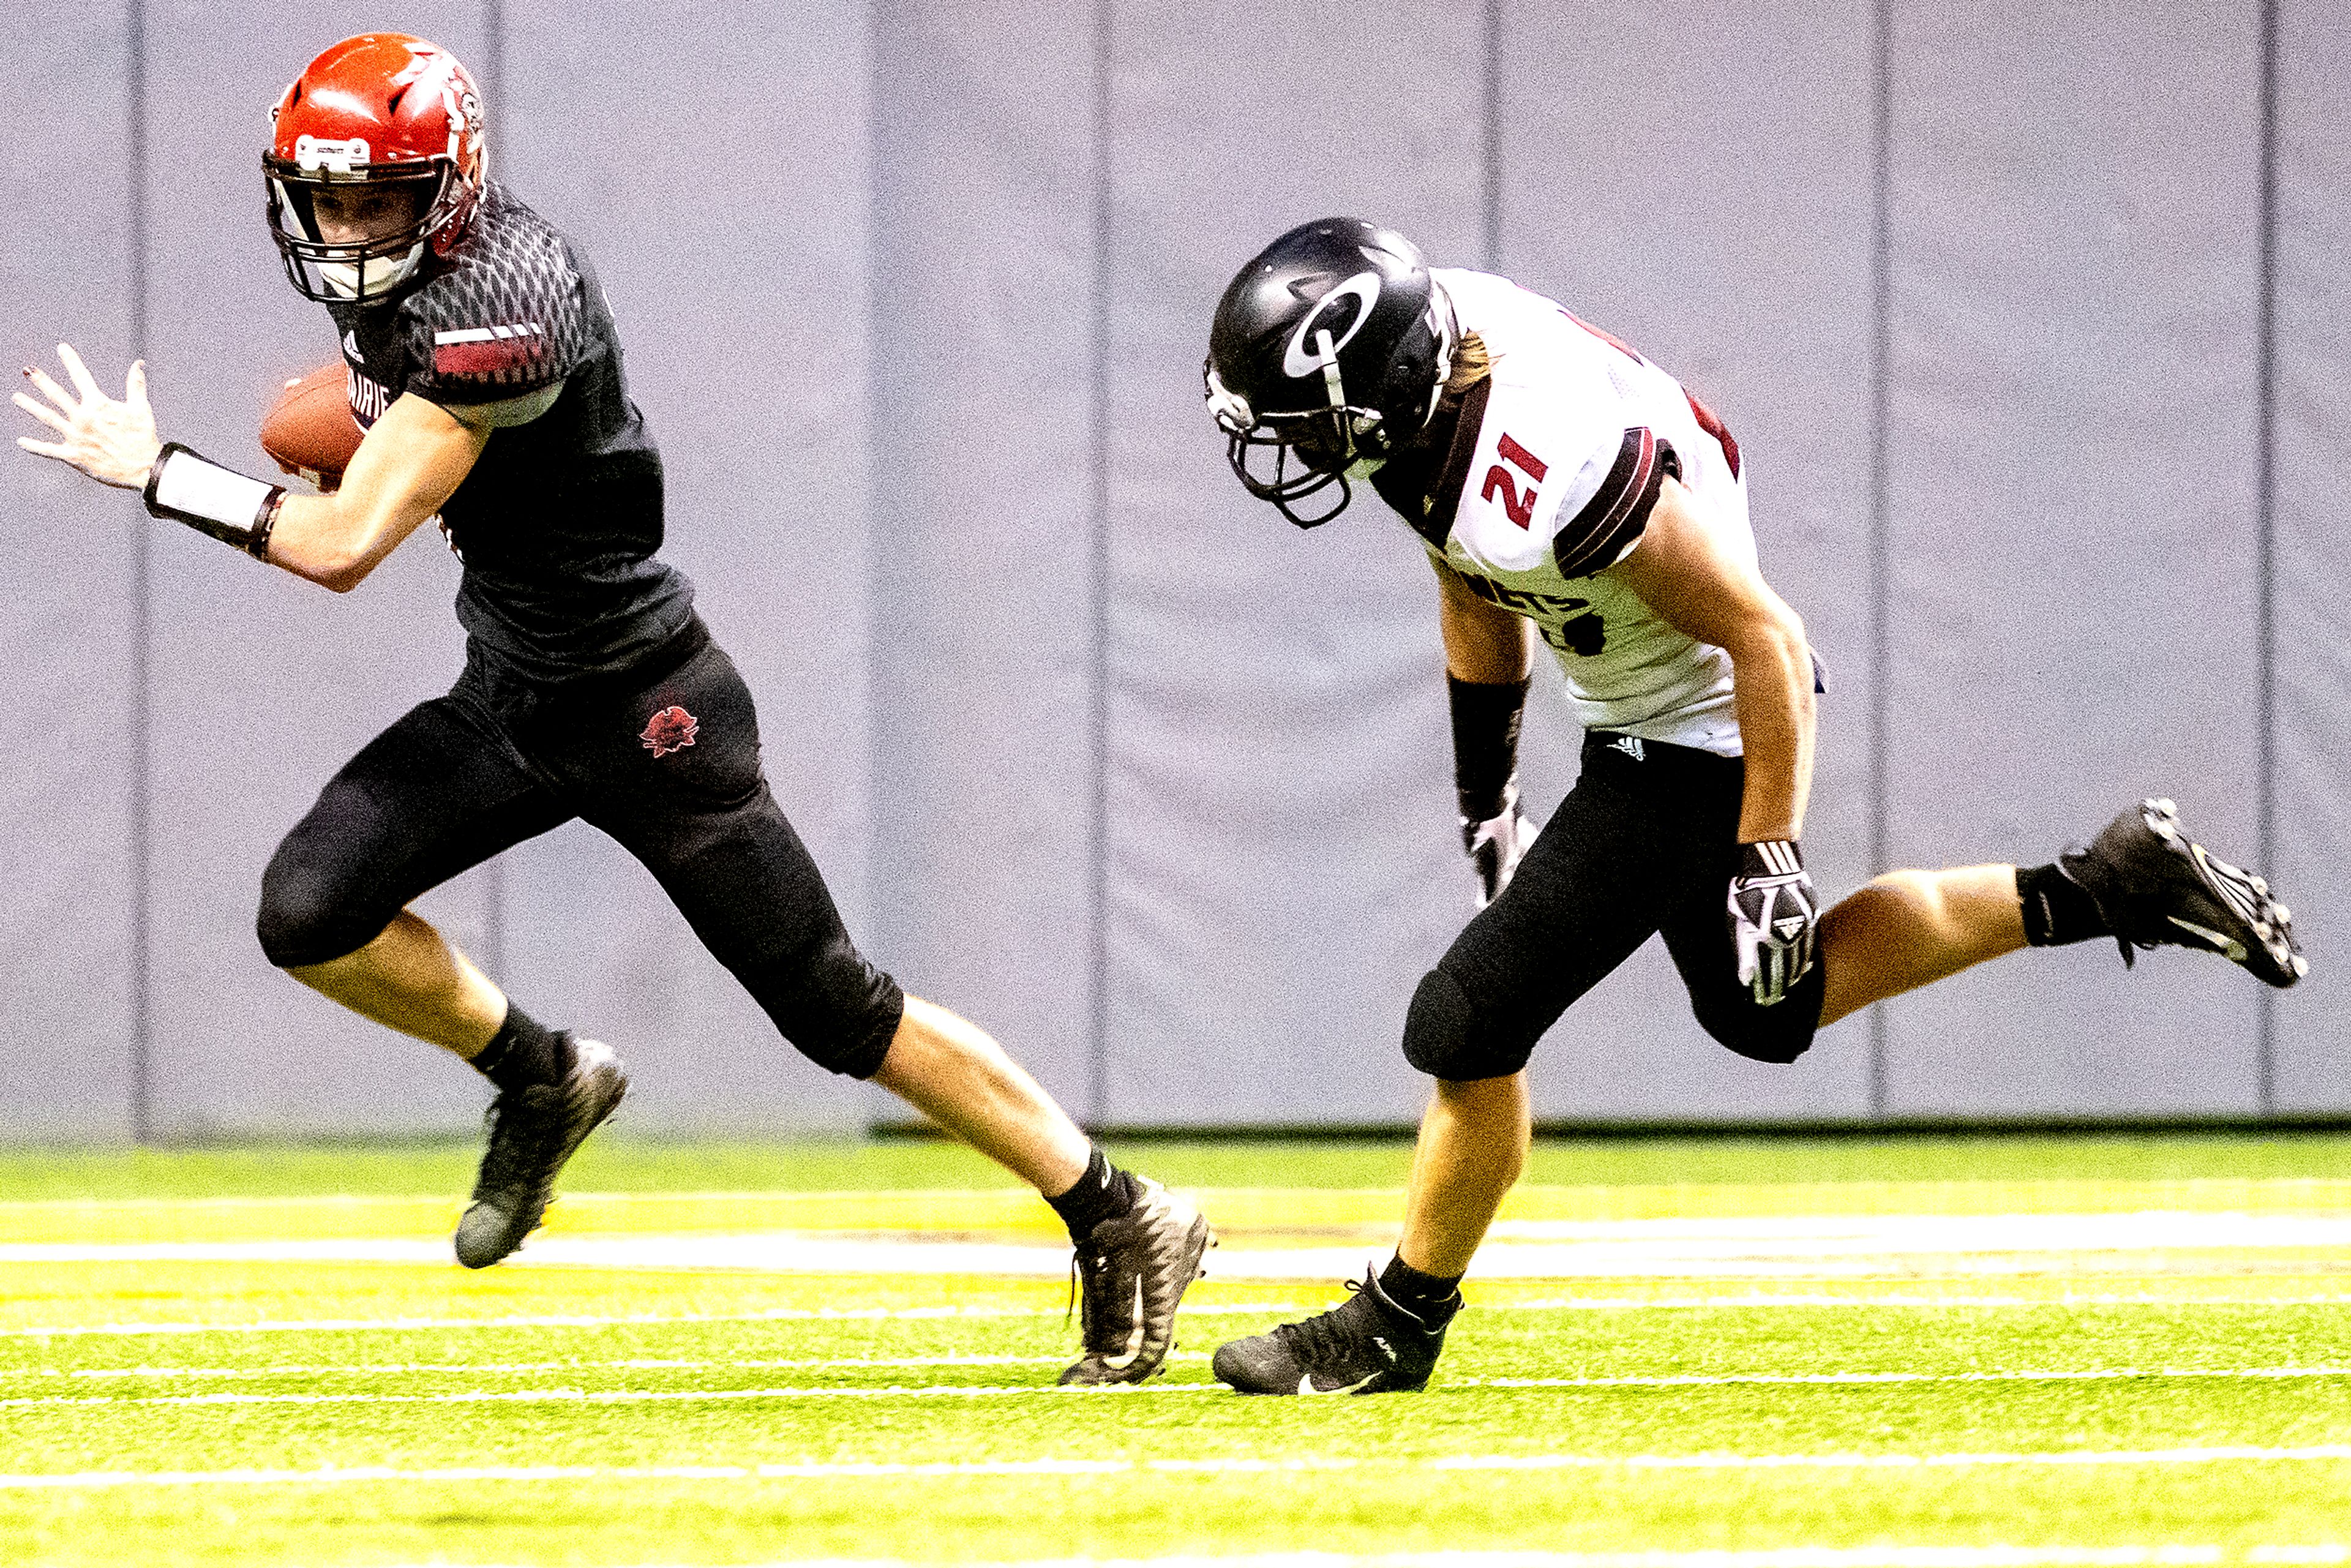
x=1630 y=746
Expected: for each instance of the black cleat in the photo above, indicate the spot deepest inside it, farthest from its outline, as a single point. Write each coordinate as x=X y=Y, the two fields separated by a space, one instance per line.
x=2156 y=887
x=533 y=1131
x=1366 y=1344
x=1134 y=1270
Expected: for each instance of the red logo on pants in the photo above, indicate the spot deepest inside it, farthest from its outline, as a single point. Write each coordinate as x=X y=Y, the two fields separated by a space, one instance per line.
x=672 y=729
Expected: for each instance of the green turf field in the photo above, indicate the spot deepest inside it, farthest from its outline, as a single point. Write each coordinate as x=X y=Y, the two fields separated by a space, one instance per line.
x=2152 y=1405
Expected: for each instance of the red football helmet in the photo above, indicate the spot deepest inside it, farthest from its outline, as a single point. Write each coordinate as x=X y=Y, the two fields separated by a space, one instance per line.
x=396 y=116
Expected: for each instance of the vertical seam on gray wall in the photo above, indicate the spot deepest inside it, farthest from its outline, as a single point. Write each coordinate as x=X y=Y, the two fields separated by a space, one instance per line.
x=1881 y=377
x=2265 y=529
x=143 y=634
x=1490 y=131
x=493 y=84
x=493 y=78
x=1098 y=397
x=879 y=869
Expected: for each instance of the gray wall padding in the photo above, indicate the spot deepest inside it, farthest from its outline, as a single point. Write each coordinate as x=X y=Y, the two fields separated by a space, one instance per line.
x=736 y=254
x=983 y=492
x=263 y=684
x=1283 y=862
x=1704 y=192
x=915 y=296
x=2313 y=1022
x=2073 y=459
x=67 y=556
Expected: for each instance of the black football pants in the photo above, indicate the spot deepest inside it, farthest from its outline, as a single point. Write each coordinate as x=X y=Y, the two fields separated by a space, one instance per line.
x=664 y=758
x=1647 y=842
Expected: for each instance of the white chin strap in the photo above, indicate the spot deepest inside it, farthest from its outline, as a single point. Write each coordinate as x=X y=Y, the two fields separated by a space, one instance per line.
x=344 y=277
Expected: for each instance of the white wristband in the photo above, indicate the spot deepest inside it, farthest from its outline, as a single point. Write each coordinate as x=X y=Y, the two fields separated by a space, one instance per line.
x=213 y=500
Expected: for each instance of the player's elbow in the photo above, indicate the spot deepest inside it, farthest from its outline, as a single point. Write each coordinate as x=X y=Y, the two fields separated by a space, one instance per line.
x=338 y=572
x=1772 y=634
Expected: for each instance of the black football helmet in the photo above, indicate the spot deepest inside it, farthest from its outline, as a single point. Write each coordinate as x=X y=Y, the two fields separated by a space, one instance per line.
x=1332 y=348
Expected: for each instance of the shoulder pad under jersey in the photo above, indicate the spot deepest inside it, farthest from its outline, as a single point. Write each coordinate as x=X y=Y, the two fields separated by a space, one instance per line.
x=1558 y=478
x=509 y=315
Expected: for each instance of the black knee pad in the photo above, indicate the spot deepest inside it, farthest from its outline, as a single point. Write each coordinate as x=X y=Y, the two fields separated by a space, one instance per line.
x=1447 y=1036
x=843 y=1012
x=1778 y=1034
x=305 y=917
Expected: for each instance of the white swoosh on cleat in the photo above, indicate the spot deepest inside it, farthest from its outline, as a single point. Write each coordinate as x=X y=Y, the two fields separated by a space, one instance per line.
x=2221 y=944
x=1135 y=1340
x=1306 y=1385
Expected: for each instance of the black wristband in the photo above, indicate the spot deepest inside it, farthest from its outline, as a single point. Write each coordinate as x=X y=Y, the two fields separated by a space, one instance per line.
x=257 y=546
x=1486 y=718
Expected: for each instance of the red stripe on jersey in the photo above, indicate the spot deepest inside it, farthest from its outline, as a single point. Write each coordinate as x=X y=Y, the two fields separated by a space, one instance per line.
x=1712 y=422
x=487 y=357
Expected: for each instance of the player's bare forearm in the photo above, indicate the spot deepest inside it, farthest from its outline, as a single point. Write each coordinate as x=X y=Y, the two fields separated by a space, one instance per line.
x=412 y=460
x=1771 y=675
x=1484 y=643
x=1692 y=569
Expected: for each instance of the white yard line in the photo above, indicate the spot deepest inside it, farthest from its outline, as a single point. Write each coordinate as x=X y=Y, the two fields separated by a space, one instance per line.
x=1847 y=1246
x=1782 y=1557
x=1900 y=1297
x=619 y=1320
x=1779 y=1557
x=1742 y=1302
x=632 y=1364
x=2091 y=1375
x=1796 y=1557
x=2207 y=1456
x=2333 y=1453
x=622 y=1395
x=834 y=1391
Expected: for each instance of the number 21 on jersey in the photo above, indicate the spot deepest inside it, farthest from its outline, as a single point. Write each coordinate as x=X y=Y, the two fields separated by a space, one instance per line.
x=1519 y=504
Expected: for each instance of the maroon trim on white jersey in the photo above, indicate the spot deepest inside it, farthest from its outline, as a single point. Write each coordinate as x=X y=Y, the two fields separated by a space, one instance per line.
x=1431 y=512
x=1596 y=537
x=1712 y=422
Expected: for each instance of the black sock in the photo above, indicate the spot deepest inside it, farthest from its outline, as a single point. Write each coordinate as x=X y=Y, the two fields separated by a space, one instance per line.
x=1104 y=1192
x=524 y=1052
x=2056 y=909
x=1431 y=1297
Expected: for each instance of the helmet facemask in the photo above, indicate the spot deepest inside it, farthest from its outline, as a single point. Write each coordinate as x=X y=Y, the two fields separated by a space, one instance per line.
x=1328 y=446
x=1337 y=442
x=369 y=266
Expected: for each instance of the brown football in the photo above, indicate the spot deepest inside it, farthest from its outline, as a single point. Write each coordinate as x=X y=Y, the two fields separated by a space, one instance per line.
x=309 y=430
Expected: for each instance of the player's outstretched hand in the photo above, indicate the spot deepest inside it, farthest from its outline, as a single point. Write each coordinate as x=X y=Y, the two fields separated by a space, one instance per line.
x=113 y=442
x=1775 y=918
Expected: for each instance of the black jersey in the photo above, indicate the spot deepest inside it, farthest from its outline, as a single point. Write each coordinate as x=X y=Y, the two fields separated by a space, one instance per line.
x=559 y=520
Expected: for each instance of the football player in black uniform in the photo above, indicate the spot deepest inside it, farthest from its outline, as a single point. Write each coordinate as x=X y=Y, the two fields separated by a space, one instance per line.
x=484 y=366
x=1555 y=476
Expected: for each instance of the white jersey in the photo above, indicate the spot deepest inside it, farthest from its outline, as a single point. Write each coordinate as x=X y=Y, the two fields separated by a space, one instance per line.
x=1559 y=456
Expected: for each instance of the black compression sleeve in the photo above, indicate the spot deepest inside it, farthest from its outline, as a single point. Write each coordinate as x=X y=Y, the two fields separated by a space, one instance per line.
x=1485 y=743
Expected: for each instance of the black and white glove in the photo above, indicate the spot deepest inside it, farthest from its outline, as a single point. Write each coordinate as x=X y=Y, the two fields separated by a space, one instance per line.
x=1486 y=778
x=1775 y=918
x=1496 y=846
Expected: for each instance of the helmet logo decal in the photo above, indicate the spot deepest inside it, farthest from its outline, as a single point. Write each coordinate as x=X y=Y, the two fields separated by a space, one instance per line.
x=312 y=153
x=1363 y=288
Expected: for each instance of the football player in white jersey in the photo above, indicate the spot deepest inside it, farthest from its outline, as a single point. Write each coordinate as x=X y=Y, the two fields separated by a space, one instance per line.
x=1555 y=476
